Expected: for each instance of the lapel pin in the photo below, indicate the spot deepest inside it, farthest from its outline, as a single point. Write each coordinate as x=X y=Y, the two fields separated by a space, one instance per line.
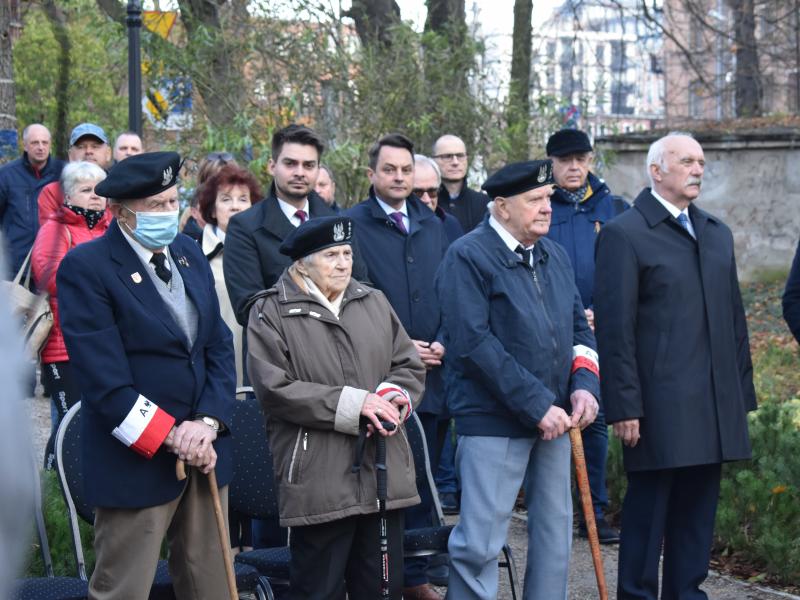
x=136 y=277
x=182 y=261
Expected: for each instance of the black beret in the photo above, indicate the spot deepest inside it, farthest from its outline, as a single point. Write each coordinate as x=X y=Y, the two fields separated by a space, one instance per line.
x=520 y=177
x=141 y=176
x=568 y=141
x=316 y=234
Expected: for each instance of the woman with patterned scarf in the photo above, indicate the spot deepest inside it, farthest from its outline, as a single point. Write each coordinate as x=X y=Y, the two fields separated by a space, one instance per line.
x=82 y=218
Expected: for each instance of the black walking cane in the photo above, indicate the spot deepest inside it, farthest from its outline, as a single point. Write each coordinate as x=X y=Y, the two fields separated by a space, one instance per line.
x=382 y=487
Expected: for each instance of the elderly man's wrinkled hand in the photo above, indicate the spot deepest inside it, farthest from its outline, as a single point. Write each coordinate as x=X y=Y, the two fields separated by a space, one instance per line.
x=555 y=423
x=590 y=317
x=192 y=439
x=627 y=431
x=377 y=409
x=584 y=408
x=205 y=461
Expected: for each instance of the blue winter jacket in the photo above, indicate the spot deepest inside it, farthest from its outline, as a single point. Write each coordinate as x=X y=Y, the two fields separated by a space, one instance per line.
x=510 y=336
x=575 y=226
x=20 y=184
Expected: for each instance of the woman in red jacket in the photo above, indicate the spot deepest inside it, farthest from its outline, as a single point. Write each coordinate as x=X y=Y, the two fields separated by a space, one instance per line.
x=82 y=218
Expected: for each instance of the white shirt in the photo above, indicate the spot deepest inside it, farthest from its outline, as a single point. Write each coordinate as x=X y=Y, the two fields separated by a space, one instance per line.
x=402 y=210
x=289 y=211
x=674 y=210
x=143 y=253
x=508 y=239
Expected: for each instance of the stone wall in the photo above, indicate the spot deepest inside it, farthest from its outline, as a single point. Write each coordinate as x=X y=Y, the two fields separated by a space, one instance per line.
x=751 y=182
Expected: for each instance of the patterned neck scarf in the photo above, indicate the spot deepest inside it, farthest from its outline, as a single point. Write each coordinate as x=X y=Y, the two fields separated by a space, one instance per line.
x=92 y=217
x=578 y=195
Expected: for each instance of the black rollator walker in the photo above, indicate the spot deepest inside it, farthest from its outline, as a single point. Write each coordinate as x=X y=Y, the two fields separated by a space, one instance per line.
x=382 y=485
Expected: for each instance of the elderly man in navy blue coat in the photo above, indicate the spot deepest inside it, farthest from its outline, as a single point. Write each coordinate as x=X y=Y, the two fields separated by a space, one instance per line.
x=155 y=363
x=521 y=358
x=677 y=376
x=403 y=242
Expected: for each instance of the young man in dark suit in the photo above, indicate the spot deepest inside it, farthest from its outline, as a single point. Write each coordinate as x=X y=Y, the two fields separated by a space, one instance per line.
x=155 y=364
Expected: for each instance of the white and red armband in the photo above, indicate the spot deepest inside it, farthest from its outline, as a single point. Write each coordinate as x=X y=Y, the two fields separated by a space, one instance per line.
x=584 y=357
x=145 y=428
x=390 y=391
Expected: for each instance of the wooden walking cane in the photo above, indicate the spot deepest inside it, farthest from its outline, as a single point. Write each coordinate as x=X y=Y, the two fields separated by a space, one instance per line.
x=588 y=510
x=222 y=530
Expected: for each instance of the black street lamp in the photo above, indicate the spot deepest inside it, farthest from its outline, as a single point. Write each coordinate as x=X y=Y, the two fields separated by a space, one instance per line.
x=134 y=22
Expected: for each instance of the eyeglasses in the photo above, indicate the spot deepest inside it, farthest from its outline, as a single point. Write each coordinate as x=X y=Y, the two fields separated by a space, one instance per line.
x=432 y=192
x=460 y=156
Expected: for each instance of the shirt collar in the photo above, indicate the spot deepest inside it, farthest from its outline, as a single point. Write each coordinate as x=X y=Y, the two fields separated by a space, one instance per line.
x=144 y=254
x=289 y=209
x=673 y=210
x=389 y=210
x=508 y=239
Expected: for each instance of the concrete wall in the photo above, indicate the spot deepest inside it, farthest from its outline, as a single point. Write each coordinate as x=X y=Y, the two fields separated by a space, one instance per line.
x=751 y=182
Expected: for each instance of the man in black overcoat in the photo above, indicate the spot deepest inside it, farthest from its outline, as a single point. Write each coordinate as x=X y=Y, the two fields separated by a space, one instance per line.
x=676 y=374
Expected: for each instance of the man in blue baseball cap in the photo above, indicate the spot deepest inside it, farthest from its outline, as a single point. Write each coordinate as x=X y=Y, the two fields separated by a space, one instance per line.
x=155 y=363
x=523 y=370
x=86 y=142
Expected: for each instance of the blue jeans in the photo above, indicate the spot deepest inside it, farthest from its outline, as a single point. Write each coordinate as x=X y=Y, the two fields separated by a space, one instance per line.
x=491 y=470
x=595 y=447
x=445 y=474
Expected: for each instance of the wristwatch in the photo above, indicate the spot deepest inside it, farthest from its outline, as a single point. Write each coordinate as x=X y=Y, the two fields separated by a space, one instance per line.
x=211 y=422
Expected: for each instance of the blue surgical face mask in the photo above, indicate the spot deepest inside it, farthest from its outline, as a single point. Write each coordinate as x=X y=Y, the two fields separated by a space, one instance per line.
x=155 y=230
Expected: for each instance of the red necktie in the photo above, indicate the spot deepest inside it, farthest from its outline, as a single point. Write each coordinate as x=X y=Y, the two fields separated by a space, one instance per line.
x=301 y=214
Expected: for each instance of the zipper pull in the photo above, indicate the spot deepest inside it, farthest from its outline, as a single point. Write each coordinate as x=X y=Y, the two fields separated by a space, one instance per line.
x=305 y=440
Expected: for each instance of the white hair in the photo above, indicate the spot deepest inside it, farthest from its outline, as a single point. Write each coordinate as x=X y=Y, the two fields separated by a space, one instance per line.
x=75 y=173
x=421 y=159
x=655 y=154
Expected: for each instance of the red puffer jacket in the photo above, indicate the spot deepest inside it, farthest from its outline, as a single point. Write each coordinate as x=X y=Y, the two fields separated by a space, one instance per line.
x=62 y=231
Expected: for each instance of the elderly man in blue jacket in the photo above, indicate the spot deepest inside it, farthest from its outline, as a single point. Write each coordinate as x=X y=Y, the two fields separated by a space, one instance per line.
x=522 y=370
x=155 y=362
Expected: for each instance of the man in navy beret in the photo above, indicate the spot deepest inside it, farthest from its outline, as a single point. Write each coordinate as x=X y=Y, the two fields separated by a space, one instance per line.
x=582 y=205
x=522 y=370
x=155 y=363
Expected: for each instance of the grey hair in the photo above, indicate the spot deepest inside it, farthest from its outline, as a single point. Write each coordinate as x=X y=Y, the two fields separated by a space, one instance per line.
x=655 y=154
x=421 y=159
x=78 y=172
x=27 y=130
x=328 y=170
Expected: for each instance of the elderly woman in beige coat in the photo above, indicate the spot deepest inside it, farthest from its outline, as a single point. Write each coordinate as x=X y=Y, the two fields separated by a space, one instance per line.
x=328 y=356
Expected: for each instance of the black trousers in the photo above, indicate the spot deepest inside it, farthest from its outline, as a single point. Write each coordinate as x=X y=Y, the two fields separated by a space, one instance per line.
x=673 y=508
x=59 y=383
x=344 y=556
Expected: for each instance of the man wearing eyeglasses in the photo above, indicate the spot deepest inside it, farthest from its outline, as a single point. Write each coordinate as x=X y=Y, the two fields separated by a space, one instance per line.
x=582 y=204
x=465 y=204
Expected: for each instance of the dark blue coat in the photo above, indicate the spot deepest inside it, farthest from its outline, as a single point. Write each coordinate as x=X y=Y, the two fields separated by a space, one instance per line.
x=791 y=297
x=575 y=226
x=19 y=208
x=403 y=267
x=451 y=225
x=123 y=342
x=469 y=207
x=509 y=338
x=672 y=334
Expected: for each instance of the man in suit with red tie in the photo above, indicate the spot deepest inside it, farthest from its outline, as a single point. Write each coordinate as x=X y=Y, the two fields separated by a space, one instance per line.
x=156 y=369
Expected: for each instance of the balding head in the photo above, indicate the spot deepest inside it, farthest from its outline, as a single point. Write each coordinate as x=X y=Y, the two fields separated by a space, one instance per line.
x=36 y=143
x=450 y=154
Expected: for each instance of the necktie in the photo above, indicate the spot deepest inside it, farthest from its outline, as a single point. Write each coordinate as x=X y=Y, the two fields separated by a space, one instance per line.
x=526 y=254
x=684 y=221
x=301 y=214
x=397 y=217
x=159 y=259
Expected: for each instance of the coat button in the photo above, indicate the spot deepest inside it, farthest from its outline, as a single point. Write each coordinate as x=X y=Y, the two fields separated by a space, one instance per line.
x=410 y=259
x=415 y=297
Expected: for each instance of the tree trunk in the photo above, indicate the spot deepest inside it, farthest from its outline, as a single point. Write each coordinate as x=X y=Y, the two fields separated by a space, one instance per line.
x=58 y=21
x=9 y=20
x=518 y=115
x=748 y=82
x=445 y=13
x=374 y=20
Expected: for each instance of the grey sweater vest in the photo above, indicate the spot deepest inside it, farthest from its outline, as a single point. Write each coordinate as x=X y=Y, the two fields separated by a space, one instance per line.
x=180 y=306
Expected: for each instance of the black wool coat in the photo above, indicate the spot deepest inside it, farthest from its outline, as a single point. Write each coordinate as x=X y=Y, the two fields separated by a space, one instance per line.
x=672 y=337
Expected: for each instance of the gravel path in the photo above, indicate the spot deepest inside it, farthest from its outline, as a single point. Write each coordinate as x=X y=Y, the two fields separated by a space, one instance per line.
x=582 y=583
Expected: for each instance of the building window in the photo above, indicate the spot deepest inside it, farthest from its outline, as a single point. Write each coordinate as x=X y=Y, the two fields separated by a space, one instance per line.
x=696 y=100
x=617 y=56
